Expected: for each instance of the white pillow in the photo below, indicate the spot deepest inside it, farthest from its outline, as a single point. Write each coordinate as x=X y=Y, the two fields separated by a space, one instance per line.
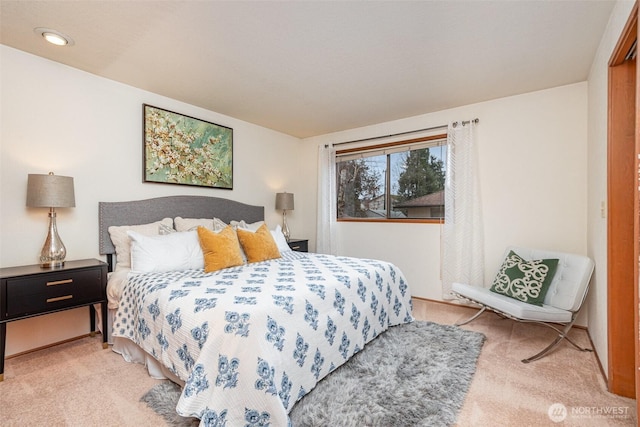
x=122 y=242
x=281 y=241
x=165 y=229
x=187 y=224
x=249 y=227
x=169 y=252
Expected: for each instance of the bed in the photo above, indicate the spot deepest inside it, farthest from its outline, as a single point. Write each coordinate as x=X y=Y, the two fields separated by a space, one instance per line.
x=245 y=342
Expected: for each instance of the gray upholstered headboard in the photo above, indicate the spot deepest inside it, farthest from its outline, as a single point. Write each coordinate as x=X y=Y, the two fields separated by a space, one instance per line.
x=145 y=211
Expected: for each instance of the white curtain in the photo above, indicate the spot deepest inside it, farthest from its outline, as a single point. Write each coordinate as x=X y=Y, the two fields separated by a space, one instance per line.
x=327 y=210
x=463 y=242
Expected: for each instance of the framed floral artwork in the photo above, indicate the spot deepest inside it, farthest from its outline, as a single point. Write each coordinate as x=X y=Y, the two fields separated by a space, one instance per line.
x=180 y=149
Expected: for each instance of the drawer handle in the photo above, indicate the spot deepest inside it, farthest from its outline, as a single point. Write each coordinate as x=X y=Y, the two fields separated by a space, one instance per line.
x=295 y=247
x=60 y=282
x=59 y=298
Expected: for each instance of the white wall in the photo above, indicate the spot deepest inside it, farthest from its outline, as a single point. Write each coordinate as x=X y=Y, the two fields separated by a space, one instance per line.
x=597 y=179
x=533 y=175
x=57 y=118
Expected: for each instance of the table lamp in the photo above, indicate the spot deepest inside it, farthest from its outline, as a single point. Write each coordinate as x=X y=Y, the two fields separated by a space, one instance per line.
x=51 y=191
x=284 y=201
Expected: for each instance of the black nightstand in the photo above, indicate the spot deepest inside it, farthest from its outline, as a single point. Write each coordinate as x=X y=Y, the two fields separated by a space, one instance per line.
x=299 y=245
x=30 y=290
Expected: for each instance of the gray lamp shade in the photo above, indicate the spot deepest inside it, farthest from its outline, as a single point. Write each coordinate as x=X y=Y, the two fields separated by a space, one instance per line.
x=50 y=191
x=284 y=201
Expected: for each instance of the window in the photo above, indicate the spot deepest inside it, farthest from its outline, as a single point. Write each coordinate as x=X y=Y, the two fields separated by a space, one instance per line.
x=401 y=180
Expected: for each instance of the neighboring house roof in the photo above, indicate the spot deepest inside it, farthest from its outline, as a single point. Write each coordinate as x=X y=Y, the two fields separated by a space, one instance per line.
x=433 y=199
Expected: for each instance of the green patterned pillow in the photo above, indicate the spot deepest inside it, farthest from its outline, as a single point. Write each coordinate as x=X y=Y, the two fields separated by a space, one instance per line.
x=526 y=281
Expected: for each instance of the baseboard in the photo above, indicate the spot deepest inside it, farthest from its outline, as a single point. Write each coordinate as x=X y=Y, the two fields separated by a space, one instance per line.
x=595 y=353
x=32 y=350
x=453 y=303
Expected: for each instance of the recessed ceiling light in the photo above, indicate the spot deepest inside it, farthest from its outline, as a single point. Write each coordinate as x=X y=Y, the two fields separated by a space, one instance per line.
x=54 y=37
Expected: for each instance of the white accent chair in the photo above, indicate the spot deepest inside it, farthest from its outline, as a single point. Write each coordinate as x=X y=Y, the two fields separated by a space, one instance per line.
x=562 y=302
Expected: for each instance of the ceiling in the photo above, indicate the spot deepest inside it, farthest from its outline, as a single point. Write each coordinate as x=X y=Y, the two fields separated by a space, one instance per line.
x=308 y=68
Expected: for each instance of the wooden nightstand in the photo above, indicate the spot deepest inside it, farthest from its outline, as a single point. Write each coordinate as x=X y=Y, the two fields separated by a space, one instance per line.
x=299 y=245
x=30 y=290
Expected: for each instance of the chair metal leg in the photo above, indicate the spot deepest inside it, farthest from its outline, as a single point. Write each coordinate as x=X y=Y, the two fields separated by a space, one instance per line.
x=545 y=351
x=484 y=307
x=576 y=345
x=561 y=335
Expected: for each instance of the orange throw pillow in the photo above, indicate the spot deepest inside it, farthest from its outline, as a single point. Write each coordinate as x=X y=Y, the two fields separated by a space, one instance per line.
x=220 y=250
x=258 y=246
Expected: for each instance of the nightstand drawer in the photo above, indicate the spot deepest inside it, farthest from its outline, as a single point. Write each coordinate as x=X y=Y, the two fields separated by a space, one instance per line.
x=299 y=245
x=28 y=295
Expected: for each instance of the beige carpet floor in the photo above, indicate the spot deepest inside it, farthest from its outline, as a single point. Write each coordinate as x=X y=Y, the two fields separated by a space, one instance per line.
x=80 y=384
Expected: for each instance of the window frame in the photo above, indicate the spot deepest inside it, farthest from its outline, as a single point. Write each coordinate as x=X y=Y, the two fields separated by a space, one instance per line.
x=381 y=147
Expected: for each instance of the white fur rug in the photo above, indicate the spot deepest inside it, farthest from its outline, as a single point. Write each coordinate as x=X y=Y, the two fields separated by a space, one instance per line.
x=415 y=374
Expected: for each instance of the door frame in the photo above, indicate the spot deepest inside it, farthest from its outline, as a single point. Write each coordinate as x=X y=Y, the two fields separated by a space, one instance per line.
x=623 y=224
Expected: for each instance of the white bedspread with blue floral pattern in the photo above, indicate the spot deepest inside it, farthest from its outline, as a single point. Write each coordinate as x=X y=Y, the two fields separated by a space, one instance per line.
x=250 y=341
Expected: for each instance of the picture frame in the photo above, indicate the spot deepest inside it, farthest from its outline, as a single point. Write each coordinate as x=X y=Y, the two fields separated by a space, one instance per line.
x=184 y=150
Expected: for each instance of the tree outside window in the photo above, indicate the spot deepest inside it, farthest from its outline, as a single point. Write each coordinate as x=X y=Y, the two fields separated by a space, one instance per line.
x=405 y=184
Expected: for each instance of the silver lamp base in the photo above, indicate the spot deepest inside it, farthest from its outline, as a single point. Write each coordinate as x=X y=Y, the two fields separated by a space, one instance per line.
x=285 y=226
x=52 y=264
x=53 y=251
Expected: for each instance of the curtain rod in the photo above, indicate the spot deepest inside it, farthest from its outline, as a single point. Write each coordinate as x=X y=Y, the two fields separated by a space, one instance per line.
x=466 y=122
x=389 y=136
x=463 y=123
